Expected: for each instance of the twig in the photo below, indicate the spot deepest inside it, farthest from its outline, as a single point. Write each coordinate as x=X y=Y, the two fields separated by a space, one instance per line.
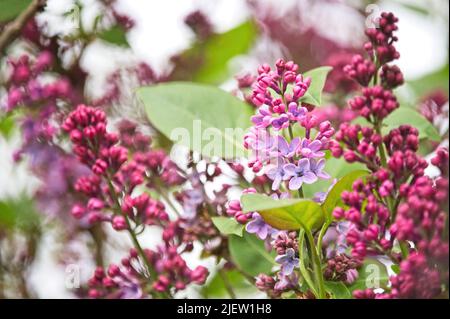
x=12 y=29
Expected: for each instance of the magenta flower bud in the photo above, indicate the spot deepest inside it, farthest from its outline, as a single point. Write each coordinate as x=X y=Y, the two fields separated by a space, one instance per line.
x=43 y=61
x=353 y=215
x=372 y=232
x=95 y=204
x=338 y=213
x=77 y=211
x=76 y=136
x=113 y=270
x=119 y=223
x=199 y=275
x=350 y=156
x=99 y=167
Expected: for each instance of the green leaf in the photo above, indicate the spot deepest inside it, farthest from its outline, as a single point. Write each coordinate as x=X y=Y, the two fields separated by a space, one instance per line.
x=338 y=289
x=395 y=268
x=404 y=115
x=12 y=8
x=285 y=214
x=7 y=126
x=228 y=226
x=18 y=213
x=216 y=287
x=430 y=82
x=115 y=35
x=334 y=195
x=207 y=62
x=337 y=168
x=318 y=77
x=201 y=117
x=250 y=255
x=373 y=274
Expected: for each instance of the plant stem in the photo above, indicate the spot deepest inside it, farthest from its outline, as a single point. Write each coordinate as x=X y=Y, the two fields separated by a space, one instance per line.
x=317 y=265
x=227 y=284
x=136 y=244
x=302 y=266
x=322 y=233
x=13 y=29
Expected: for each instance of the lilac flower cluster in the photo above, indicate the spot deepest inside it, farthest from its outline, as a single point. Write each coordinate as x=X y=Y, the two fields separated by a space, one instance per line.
x=294 y=160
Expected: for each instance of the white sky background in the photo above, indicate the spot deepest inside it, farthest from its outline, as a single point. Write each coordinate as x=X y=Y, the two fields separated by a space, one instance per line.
x=160 y=33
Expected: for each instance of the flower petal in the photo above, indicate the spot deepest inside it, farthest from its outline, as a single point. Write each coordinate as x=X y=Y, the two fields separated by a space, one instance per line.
x=295 y=183
x=309 y=177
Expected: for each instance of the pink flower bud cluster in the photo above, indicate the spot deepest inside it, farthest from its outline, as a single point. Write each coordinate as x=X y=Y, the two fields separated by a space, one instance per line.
x=25 y=87
x=359 y=144
x=375 y=104
x=172 y=270
x=123 y=281
x=342 y=268
x=274 y=286
x=382 y=39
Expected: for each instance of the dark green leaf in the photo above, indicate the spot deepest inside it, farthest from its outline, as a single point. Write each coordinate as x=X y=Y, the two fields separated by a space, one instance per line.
x=250 y=255
x=285 y=214
x=204 y=118
x=228 y=226
x=318 y=77
x=9 y=9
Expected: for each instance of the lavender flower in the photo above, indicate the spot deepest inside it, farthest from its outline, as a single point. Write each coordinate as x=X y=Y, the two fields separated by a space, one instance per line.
x=296 y=113
x=263 y=119
x=317 y=166
x=258 y=227
x=299 y=174
x=288 y=261
x=286 y=149
x=311 y=149
x=277 y=173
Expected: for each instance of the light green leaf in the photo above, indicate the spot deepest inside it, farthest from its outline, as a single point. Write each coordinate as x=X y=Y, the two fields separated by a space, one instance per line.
x=228 y=226
x=201 y=117
x=207 y=62
x=373 y=274
x=250 y=255
x=115 y=35
x=334 y=195
x=285 y=214
x=6 y=125
x=337 y=168
x=9 y=9
x=338 y=289
x=404 y=115
x=18 y=213
x=318 y=77
x=216 y=287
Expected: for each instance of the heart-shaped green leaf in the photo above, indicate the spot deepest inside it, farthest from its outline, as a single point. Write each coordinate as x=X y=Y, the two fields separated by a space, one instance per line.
x=228 y=226
x=203 y=118
x=334 y=195
x=318 y=77
x=285 y=214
